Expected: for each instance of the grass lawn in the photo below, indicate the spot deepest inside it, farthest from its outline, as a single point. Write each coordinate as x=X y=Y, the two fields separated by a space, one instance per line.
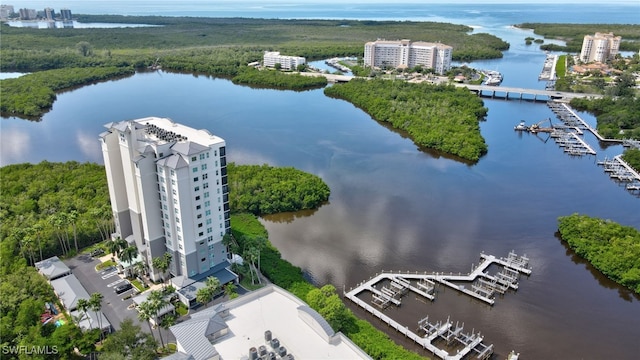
x=105 y=264
x=137 y=284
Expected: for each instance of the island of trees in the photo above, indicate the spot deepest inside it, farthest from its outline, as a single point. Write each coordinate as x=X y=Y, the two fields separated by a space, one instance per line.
x=611 y=248
x=441 y=117
x=61 y=208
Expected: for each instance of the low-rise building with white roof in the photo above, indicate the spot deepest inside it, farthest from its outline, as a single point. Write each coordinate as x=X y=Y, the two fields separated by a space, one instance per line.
x=264 y=322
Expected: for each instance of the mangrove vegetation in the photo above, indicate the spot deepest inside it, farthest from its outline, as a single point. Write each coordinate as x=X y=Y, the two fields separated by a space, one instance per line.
x=212 y=46
x=263 y=189
x=440 y=117
x=611 y=248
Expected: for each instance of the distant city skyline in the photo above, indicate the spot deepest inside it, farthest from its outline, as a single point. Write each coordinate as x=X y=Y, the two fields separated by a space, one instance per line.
x=85 y=3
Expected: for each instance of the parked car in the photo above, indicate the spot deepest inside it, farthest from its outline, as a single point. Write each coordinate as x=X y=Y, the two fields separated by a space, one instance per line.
x=124 y=287
x=97 y=252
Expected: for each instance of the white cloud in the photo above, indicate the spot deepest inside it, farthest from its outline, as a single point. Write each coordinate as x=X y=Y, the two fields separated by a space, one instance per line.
x=14 y=146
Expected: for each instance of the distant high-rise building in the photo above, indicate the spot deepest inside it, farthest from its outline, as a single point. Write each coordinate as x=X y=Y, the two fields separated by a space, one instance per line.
x=404 y=53
x=6 y=11
x=49 y=14
x=271 y=58
x=599 y=47
x=65 y=15
x=168 y=190
x=28 y=14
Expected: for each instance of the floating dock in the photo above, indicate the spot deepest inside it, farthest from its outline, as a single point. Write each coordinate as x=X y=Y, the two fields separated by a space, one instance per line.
x=394 y=285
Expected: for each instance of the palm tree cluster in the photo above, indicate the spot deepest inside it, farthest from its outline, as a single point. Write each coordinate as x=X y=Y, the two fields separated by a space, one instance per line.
x=162 y=263
x=205 y=295
x=123 y=250
x=148 y=310
x=94 y=303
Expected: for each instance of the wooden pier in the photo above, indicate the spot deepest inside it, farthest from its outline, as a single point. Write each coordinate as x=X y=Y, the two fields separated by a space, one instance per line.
x=483 y=287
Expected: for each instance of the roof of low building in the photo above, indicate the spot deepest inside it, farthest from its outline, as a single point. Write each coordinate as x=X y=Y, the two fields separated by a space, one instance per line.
x=300 y=329
x=52 y=268
x=69 y=290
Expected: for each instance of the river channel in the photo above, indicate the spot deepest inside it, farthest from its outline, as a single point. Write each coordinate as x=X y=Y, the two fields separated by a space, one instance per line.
x=394 y=206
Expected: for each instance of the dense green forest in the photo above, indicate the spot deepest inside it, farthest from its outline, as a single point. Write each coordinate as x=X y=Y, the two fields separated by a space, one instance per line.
x=632 y=157
x=617 y=117
x=278 y=79
x=324 y=300
x=573 y=34
x=441 y=117
x=213 y=46
x=59 y=208
x=52 y=208
x=611 y=248
x=263 y=190
x=33 y=93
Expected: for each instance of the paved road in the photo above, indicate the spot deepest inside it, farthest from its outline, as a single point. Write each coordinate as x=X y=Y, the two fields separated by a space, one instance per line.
x=113 y=305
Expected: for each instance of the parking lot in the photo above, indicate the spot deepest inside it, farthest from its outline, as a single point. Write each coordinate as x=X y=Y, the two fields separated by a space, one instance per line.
x=114 y=307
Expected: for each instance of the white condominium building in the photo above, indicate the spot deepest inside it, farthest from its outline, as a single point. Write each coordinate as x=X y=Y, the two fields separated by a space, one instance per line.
x=407 y=54
x=599 y=47
x=168 y=190
x=271 y=58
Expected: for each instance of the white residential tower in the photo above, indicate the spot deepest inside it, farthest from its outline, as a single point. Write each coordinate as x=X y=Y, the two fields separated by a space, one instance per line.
x=168 y=189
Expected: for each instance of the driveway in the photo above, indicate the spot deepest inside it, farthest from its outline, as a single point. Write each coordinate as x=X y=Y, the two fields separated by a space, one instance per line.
x=115 y=309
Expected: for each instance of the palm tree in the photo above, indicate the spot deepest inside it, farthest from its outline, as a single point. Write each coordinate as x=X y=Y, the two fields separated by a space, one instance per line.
x=58 y=221
x=204 y=295
x=162 y=264
x=72 y=217
x=140 y=268
x=144 y=314
x=128 y=255
x=95 y=304
x=167 y=321
x=83 y=305
x=37 y=229
x=212 y=283
x=117 y=245
x=157 y=302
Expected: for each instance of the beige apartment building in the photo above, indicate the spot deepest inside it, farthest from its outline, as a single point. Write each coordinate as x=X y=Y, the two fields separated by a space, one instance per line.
x=599 y=47
x=408 y=54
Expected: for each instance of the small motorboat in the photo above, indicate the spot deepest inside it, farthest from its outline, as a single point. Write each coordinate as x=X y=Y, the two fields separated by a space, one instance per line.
x=521 y=127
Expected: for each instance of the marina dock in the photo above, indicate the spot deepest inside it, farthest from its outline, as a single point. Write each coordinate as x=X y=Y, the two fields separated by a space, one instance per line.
x=573 y=125
x=388 y=288
x=619 y=170
x=549 y=68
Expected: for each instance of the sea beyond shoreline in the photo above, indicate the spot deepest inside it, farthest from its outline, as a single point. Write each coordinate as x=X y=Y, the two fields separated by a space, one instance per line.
x=468 y=13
